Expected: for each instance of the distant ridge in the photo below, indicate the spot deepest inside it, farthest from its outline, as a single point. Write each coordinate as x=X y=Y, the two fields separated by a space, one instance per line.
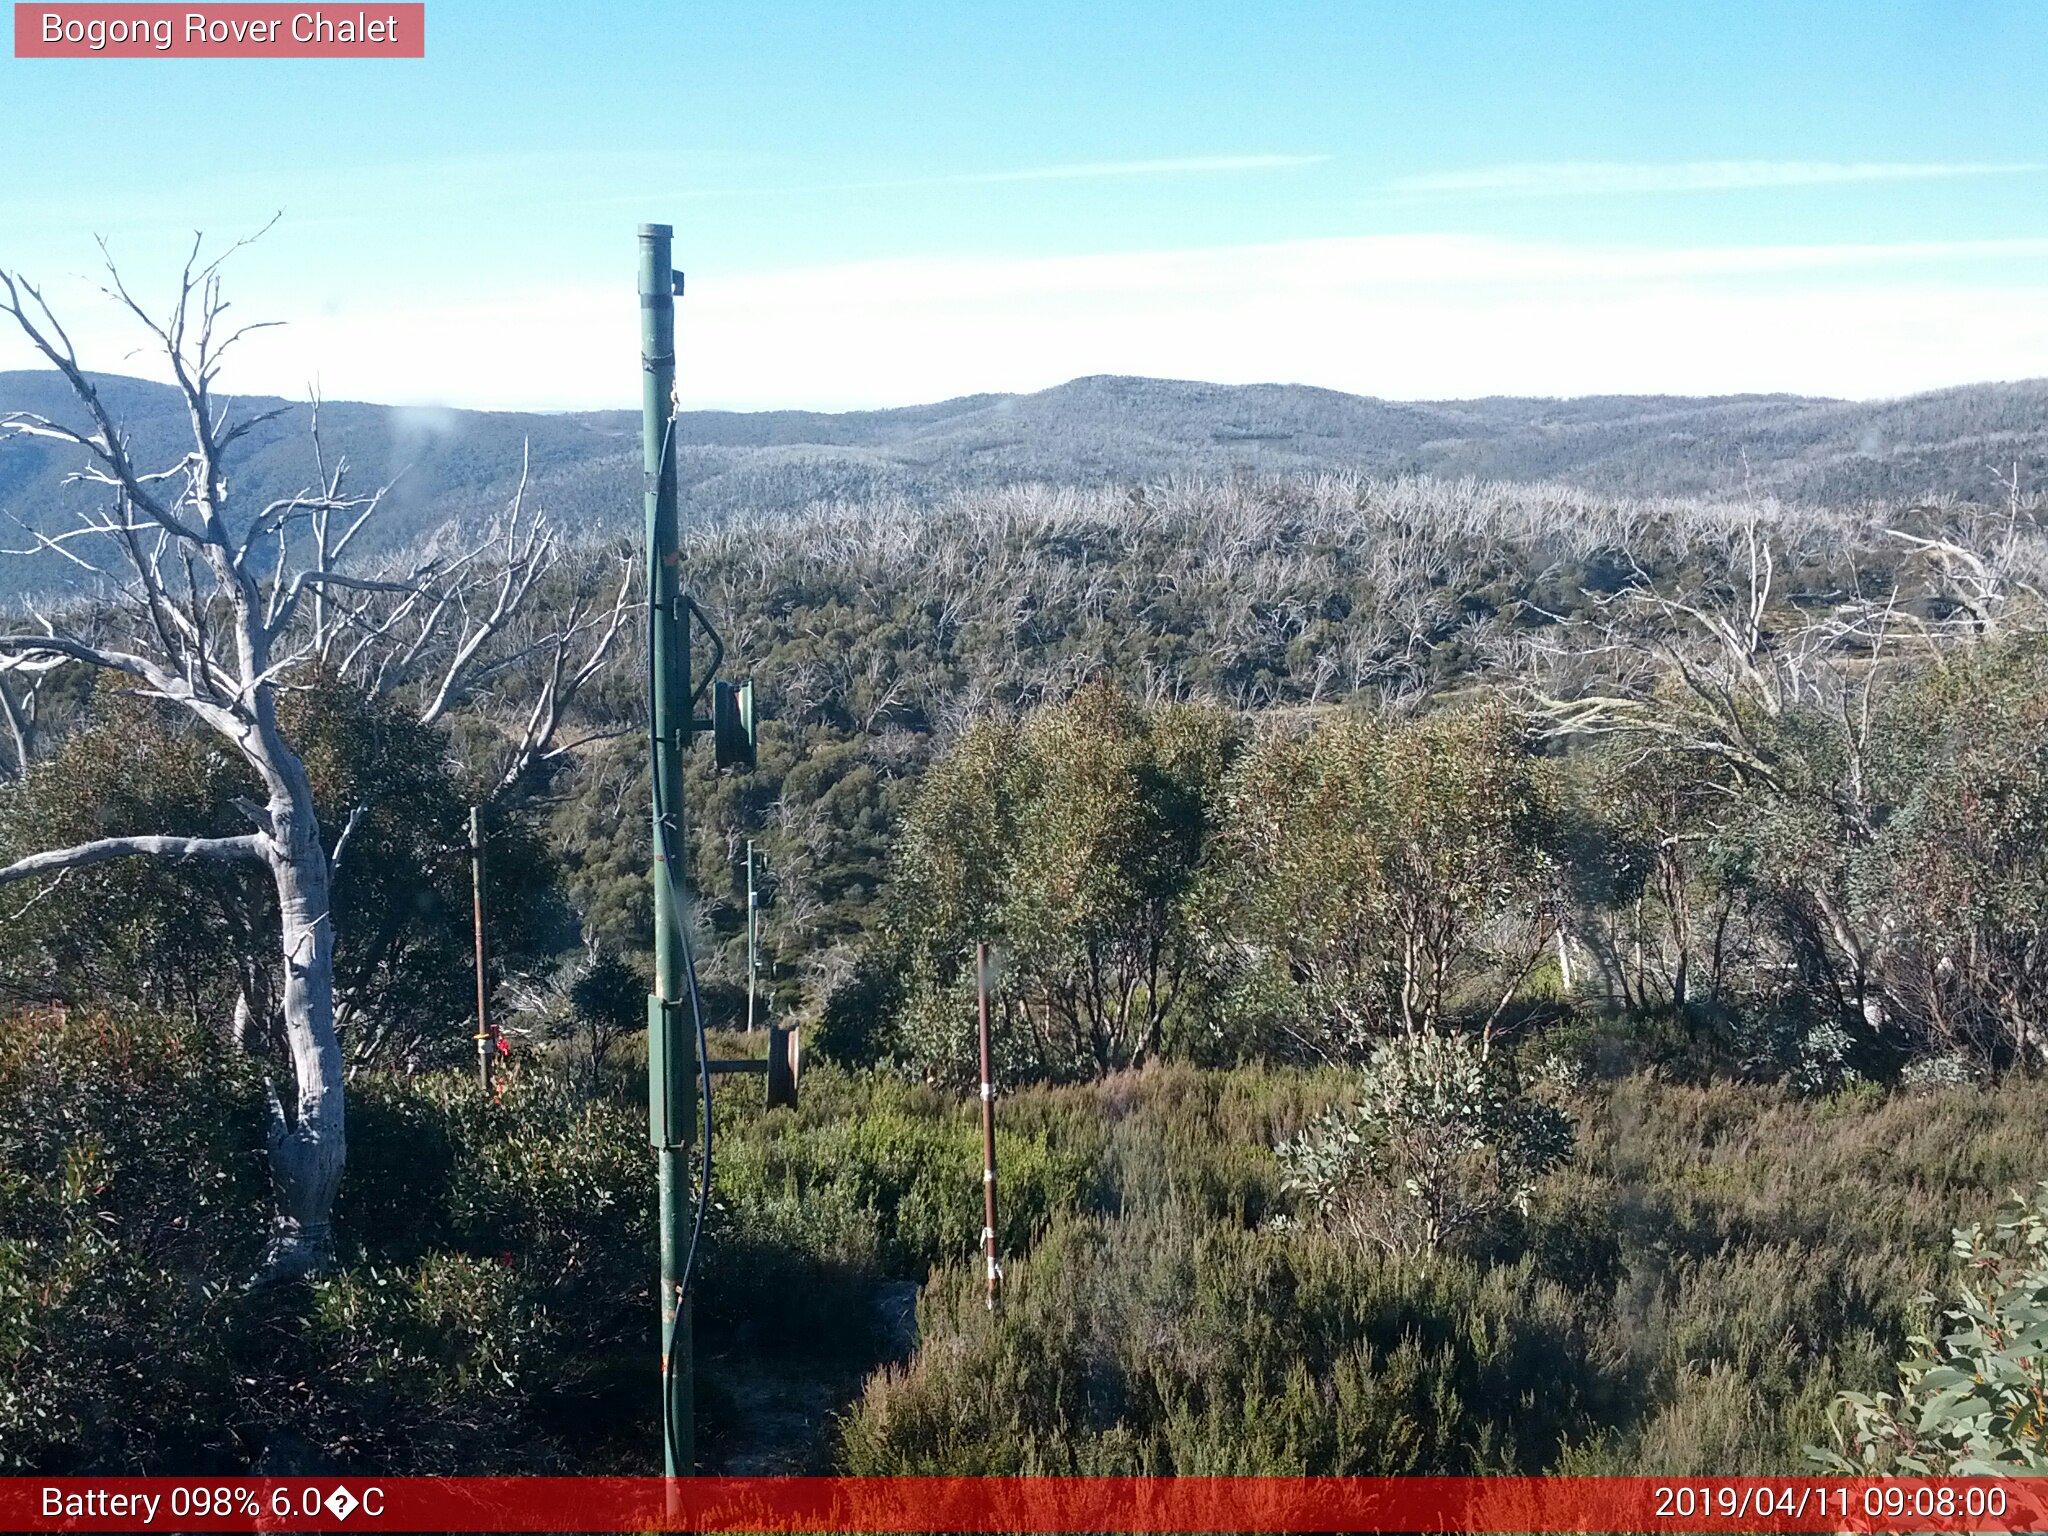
x=1090 y=431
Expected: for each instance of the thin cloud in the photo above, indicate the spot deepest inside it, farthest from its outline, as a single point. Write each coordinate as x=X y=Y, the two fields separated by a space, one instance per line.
x=1319 y=268
x=1101 y=170
x=1599 y=178
x=1195 y=165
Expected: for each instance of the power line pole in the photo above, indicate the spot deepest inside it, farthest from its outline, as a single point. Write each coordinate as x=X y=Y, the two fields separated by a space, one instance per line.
x=671 y=1043
x=988 y=1134
x=484 y=1042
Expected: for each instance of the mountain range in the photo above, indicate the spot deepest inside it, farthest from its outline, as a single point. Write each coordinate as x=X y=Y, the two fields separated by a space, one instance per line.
x=584 y=466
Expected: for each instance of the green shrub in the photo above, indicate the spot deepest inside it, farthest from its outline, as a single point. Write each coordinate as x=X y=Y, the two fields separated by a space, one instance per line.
x=1169 y=1344
x=132 y=1198
x=1382 y=874
x=1074 y=841
x=858 y=1027
x=1441 y=1143
x=1689 y=1294
x=442 y=1362
x=1703 y=1278
x=904 y=1163
x=1972 y=1402
x=498 y=1257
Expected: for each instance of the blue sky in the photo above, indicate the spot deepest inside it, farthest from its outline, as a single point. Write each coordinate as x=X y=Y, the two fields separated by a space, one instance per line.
x=895 y=202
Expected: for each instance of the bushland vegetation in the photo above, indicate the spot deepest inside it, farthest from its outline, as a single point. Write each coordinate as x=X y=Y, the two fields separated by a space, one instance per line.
x=1689 y=1293
x=1490 y=980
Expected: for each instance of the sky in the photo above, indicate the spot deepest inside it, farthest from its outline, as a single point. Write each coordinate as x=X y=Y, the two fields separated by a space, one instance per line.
x=899 y=202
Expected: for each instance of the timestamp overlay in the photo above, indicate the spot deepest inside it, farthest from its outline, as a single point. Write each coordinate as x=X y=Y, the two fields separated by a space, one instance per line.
x=1024 y=1504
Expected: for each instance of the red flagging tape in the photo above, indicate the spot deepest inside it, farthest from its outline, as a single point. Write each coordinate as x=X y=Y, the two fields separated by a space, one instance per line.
x=1022 y=1504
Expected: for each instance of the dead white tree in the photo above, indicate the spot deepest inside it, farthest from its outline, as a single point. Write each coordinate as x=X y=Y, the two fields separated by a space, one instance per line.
x=1713 y=678
x=217 y=614
x=18 y=714
x=1985 y=568
x=1694 y=675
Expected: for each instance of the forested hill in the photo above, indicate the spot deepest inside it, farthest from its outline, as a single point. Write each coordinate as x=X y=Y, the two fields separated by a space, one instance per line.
x=1091 y=431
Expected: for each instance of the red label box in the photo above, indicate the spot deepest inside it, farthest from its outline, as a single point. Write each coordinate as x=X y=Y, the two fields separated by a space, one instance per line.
x=1044 y=1506
x=103 y=30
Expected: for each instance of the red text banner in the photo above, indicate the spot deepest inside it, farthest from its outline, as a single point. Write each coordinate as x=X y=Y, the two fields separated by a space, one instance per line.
x=235 y=31
x=1029 y=1504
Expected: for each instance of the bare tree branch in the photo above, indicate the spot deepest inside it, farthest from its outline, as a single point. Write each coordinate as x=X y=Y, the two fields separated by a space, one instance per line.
x=250 y=845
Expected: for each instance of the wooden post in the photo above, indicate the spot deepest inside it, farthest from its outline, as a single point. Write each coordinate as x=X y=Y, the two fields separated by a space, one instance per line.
x=988 y=1134
x=484 y=1041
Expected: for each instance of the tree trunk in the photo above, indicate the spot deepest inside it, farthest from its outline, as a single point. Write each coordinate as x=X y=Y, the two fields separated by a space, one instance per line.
x=307 y=1152
x=1678 y=904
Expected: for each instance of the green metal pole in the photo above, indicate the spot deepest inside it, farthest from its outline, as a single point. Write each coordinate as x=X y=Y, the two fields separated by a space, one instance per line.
x=671 y=1040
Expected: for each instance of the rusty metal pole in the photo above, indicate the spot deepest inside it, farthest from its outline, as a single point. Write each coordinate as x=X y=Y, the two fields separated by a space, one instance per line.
x=483 y=995
x=753 y=912
x=988 y=1134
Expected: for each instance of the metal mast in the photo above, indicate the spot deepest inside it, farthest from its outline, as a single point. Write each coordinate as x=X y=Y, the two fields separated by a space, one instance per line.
x=671 y=1041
